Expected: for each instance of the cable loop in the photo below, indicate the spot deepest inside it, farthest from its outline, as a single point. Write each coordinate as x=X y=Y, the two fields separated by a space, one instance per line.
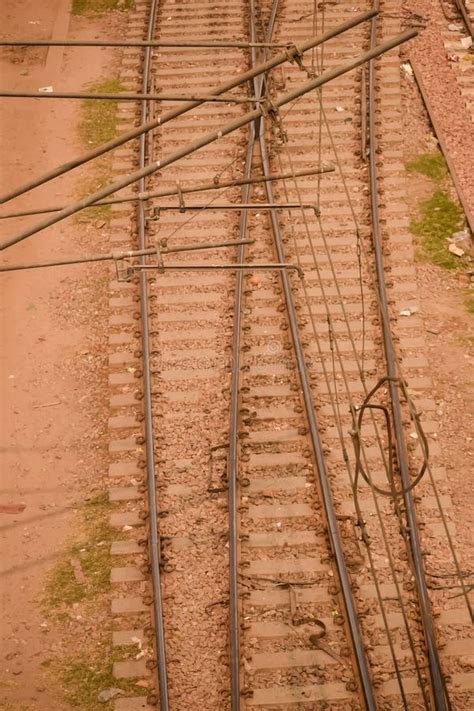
x=357 y=416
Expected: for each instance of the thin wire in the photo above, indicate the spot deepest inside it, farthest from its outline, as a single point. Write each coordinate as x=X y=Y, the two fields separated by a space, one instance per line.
x=337 y=416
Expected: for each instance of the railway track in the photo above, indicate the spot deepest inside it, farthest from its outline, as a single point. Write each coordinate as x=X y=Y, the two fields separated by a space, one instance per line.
x=286 y=544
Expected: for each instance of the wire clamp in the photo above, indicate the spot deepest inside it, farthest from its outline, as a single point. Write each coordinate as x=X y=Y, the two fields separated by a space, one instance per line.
x=294 y=55
x=270 y=111
x=159 y=245
x=182 y=206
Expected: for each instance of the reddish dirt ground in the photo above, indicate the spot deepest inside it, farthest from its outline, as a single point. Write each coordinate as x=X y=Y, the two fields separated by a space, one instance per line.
x=50 y=425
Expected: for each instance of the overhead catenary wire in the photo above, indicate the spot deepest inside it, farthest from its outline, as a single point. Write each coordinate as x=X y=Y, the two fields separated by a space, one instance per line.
x=120 y=255
x=147 y=196
x=210 y=138
x=289 y=55
x=126 y=96
x=192 y=44
x=334 y=343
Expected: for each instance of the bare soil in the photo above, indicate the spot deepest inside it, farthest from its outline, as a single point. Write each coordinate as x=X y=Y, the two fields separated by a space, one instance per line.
x=53 y=374
x=449 y=335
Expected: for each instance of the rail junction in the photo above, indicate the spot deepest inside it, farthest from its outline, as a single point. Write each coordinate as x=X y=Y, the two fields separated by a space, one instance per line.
x=295 y=530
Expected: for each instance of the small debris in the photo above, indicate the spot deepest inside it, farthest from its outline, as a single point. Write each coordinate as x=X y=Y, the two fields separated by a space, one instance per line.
x=47 y=404
x=413 y=435
x=466 y=42
x=409 y=311
x=108 y=694
x=433 y=330
x=46 y=89
x=407 y=68
x=12 y=508
x=462 y=239
x=79 y=576
x=454 y=28
x=457 y=251
x=340 y=108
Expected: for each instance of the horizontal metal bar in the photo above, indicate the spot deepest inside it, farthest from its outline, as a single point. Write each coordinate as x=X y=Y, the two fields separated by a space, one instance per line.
x=119 y=255
x=140 y=43
x=208 y=138
x=237 y=80
x=200 y=187
x=126 y=96
x=230 y=267
x=240 y=206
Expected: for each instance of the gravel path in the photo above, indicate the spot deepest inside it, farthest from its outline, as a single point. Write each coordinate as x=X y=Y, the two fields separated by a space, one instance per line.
x=439 y=78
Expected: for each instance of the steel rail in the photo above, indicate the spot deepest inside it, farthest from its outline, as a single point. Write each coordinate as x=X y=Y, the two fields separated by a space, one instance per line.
x=154 y=542
x=290 y=54
x=465 y=204
x=462 y=9
x=180 y=190
x=438 y=684
x=208 y=138
x=333 y=531
x=232 y=459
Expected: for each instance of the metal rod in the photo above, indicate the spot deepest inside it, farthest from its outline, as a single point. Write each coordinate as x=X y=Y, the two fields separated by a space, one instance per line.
x=438 y=684
x=247 y=267
x=117 y=256
x=210 y=137
x=239 y=206
x=126 y=96
x=138 y=43
x=144 y=127
x=216 y=184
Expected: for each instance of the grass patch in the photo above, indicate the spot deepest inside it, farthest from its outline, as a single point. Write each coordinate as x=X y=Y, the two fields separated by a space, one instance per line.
x=93 y=552
x=98 y=123
x=99 y=7
x=84 y=678
x=469 y=304
x=466 y=341
x=439 y=218
x=96 y=182
x=432 y=165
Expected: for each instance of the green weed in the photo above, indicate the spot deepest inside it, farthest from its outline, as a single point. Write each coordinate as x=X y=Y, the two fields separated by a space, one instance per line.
x=99 y=7
x=439 y=218
x=98 y=122
x=84 y=678
x=93 y=554
x=432 y=165
x=469 y=304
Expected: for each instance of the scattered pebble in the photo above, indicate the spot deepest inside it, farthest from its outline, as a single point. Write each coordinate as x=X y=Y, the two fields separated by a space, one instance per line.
x=108 y=694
